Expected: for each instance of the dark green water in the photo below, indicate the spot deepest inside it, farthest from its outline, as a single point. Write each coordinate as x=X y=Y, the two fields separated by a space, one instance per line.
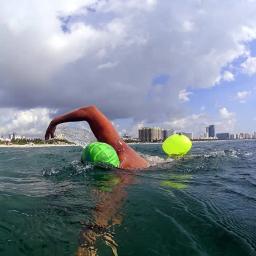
x=204 y=204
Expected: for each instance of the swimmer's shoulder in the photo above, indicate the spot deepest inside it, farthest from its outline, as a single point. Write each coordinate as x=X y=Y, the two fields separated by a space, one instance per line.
x=128 y=157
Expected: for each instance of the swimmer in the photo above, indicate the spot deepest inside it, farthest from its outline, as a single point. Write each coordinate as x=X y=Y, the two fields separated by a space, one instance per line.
x=104 y=131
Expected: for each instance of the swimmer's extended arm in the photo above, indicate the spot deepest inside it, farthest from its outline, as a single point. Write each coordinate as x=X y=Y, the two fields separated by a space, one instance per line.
x=104 y=131
x=99 y=123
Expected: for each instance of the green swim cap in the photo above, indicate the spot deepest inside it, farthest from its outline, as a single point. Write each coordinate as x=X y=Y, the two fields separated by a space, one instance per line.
x=99 y=152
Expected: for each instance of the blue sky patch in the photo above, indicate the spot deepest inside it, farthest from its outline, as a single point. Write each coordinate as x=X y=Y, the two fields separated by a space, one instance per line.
x=161 y=79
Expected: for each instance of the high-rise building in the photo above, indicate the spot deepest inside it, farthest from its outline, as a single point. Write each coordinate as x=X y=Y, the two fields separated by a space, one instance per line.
x=147 y=134
x=247 y=136
x=12 y=136
x=231 y=136
x=212 y=131
x=241 y=136
x=164 y=134
x=167 y=133
x=157 y=134
x=223 y=136
x=144 y=134
x=207 y=132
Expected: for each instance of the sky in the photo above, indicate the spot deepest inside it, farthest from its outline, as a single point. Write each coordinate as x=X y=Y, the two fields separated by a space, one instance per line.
x=179 y=65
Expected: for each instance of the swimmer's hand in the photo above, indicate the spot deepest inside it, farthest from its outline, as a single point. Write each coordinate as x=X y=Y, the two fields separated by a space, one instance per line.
x=50 y=131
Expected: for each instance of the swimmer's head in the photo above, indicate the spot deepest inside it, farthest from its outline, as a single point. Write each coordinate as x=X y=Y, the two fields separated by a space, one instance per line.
x=99 y=152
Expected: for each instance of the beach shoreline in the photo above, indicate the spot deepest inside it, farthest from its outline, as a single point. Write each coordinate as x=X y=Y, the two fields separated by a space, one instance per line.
x=37 y=145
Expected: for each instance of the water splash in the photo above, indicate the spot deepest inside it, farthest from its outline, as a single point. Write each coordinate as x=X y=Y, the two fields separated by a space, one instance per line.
x=156 y=160
x=76 y=133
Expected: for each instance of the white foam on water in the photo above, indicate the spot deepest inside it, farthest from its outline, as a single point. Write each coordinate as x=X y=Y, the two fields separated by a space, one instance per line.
x=248 y=154
x=155 y=160
x=218 y=153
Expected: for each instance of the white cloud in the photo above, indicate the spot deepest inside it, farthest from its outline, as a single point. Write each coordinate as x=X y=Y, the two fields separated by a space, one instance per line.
x=110 y=51
x=248 y=33
x=225 y=114
x=107 y=65
x=228 y=76
x=188 y=26
x=195 y=123
x=242 y=96
x=184 y=95
x=129 y=5
x=134 y=127
x=249 y=66
x=228 y=120
x=30 y=122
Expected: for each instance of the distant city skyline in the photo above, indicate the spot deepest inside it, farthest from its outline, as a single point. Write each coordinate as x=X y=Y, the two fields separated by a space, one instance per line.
x=158 y=134
x=153 y=134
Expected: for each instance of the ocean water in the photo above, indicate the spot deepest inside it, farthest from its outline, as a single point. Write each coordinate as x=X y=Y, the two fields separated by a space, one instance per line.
x=203 y=204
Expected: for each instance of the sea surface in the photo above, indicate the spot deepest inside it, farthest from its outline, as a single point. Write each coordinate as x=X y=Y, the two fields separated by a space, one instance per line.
x=203 y=204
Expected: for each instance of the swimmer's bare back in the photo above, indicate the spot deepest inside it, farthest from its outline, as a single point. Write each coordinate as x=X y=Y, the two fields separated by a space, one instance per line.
x=104 y=132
